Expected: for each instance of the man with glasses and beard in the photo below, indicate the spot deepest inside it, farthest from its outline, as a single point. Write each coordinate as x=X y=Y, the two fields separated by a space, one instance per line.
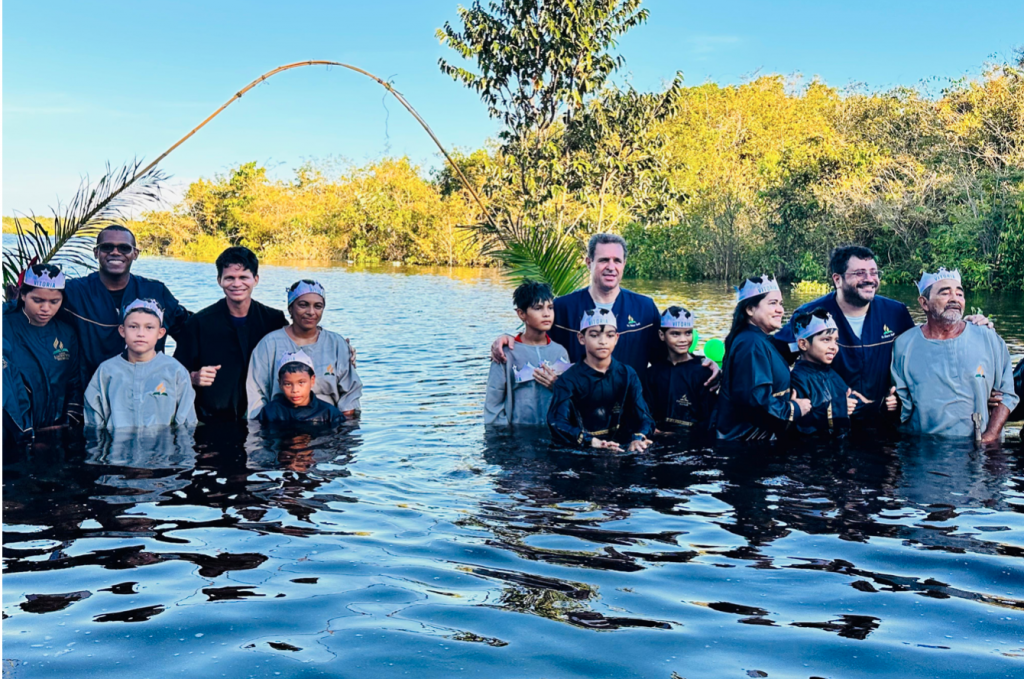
x=945 y=369
x=868 y=323
x=94 y=303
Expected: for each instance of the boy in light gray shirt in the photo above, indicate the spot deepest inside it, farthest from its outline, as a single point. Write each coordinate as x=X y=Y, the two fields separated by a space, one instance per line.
x=519 y=390
x=140 y=388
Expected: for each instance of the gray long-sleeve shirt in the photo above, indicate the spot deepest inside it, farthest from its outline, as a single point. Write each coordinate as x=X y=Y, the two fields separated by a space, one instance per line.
x=337 y=382
x=943 y=382
x=514 y=400
x=155 y=393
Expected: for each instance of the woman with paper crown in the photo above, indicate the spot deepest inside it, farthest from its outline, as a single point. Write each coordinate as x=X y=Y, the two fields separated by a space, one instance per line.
x=755 y=401
x=44 y=352
x=337 y=382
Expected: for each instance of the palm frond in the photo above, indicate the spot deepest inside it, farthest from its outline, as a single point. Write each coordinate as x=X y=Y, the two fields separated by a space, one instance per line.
x=75 y=226
x=538 y=252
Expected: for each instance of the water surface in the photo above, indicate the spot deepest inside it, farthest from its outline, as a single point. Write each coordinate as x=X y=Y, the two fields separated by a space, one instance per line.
x=417 y=544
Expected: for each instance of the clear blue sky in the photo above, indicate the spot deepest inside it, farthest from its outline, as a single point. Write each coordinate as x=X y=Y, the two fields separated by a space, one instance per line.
x=88 y=82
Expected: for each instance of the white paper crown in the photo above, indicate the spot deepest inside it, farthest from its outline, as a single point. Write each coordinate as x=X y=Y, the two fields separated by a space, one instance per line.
x=598 y=316
x=150 y=306
x=681 y=319
x=44 y=276
x=297 y=357
x=928 y=279
x=303 y=287
x=815 y=325
x=751 y=289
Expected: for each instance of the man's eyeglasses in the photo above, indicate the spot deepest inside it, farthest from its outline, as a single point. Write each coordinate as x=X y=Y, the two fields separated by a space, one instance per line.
x=864 y=273
x=122 y=248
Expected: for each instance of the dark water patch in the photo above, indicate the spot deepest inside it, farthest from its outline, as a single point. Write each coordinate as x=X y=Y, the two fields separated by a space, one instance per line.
x=51 y=603
x=415 y=542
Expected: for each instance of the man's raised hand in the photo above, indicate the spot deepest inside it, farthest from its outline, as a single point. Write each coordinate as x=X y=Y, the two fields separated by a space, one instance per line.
x=205 y=376
x=498 y=348
x=891 y=401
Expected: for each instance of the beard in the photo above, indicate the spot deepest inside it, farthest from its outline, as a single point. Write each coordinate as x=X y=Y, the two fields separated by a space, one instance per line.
x=859 y=295
x=951 y=316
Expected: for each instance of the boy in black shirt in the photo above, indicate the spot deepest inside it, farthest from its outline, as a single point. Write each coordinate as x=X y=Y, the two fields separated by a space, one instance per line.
x=599 y=401
x=296 y=402
x=832 y=401
x=674 y=386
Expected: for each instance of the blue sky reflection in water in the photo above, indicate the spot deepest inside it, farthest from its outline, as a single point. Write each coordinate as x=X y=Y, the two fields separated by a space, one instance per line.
x=414 y=544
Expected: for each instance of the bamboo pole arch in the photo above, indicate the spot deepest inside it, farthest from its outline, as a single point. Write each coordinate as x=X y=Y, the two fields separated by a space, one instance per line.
x=316 y=62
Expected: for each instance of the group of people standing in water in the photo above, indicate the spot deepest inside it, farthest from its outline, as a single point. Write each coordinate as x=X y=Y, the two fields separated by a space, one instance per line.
x=600 y=366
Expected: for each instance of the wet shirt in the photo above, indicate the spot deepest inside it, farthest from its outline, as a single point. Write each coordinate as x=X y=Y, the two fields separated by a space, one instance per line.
x=337 y=382
x=755 y=401
x=95 y=314
x=638 y=320
x=827 y=393
x=47 y=359
x=214 y=337
x=155 y=393
x=677 y=397
x=281 y=411
x=17 y=406
x=513 y=396
x=862 y=362
x=586 y=403
x=942 y=383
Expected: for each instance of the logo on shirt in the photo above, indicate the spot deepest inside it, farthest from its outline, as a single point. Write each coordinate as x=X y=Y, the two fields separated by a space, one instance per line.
x=887 y=333
x=631 y=322
x=684 y=401
x=330 y=370
x=160 y=390
x=60 y=352
x=5 y=364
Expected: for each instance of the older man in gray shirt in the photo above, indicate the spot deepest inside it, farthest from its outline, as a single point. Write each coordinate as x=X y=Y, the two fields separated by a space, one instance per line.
x=945 y=369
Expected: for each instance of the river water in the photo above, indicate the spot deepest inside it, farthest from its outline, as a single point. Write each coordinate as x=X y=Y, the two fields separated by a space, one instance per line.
x=417 y=544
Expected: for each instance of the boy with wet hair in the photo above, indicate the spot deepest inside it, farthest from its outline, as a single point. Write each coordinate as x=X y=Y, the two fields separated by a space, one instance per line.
x=675 y=386
x=519 y=390
x=296 y=403
x=140 y=387
x=832 y=401
x=599 y=402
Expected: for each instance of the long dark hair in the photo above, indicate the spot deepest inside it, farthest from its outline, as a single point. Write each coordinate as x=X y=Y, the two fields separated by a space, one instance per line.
x=740 y=318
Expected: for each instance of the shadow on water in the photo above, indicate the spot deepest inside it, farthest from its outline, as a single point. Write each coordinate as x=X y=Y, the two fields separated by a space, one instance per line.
x=257 y=552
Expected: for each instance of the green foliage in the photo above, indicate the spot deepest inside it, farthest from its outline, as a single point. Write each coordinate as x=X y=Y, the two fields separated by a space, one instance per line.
x=385 y=211
x=68 y=238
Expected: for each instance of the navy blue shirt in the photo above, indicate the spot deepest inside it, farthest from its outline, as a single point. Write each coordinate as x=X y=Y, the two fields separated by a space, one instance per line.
x=609 y=405
x=827 y=393
x=677 y=396
x=638 y=320
x=95 y=315
x=46 y=358
x=862 y=362
x=281 y=411
x=755 y=401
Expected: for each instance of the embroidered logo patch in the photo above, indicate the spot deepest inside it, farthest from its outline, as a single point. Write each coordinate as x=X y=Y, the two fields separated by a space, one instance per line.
x=684 y=401
x=631 y=322
x=887 y=333
x=160 y=390
x=60 y=352
x=330 y=370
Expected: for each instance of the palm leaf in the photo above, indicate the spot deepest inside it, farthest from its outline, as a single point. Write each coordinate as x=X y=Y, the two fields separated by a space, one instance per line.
x=537 y=252
x=94 y=206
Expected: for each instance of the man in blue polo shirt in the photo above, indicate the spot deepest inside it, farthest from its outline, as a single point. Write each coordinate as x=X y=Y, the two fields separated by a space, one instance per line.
x=868 y=325
x=637 y=315
x=93 y=304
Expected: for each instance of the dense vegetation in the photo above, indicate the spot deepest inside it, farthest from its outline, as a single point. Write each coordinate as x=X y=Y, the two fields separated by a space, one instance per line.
x=765 y=175
x=704 y=181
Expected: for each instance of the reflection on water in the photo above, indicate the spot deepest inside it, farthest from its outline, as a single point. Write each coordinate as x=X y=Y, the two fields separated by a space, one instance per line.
x=416 y=542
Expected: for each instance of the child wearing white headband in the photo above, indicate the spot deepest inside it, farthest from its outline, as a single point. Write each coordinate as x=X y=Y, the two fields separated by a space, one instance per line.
x=141 y=387
x=832 y=401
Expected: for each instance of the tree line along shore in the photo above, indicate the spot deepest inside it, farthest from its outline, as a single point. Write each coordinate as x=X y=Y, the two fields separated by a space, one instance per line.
x=768 y=175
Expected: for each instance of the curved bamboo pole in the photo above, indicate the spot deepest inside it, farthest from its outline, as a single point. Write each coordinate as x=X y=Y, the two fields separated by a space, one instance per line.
x=299 y=64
